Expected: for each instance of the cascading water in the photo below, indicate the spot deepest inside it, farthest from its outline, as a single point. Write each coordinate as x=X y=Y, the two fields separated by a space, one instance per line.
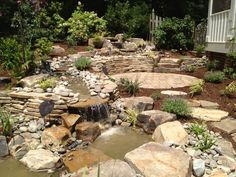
x=98 y=112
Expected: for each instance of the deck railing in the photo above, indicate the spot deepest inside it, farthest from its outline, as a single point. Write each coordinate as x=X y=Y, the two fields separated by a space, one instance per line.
x=218 y=27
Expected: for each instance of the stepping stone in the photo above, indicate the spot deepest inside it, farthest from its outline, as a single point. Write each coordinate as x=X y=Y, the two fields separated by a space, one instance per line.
x=227 y=126
x=208 y=104
x=153 y=159
x=226 y=148
x=173 y=93
x=158 y=80
x=208 y=114
x=170 y=60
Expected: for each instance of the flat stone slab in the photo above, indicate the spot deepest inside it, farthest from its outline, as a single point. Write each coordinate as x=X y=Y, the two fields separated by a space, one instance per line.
x=158 y=80
x=173 y=93
x=156 y=160
x=213 y=115
x=208 y=104
x=226 y=125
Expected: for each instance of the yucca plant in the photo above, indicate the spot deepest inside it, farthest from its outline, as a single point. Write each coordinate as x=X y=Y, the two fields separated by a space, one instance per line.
x=132 y=87
x=132 y=116
x=6 y=121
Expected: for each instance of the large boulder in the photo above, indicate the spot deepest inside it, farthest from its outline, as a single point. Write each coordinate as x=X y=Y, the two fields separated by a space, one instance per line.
x=30 y=81
x=155 y=160
x=53 y=137
x=149 y=120
x=79 y=158
x=116 y=168
x=40 y=160
x=171 y=132
x=3 y=147
x=140 y=103
x=138 y=41
x=129 y=47
x=57 y=50
x=70 y=120
x=87 y=131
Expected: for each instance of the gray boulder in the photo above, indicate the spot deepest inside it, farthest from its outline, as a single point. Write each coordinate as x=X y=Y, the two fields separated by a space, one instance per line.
x=3 y=146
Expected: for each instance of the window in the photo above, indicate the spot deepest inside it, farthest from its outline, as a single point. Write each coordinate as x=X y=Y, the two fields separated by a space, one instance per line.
x=220 y=5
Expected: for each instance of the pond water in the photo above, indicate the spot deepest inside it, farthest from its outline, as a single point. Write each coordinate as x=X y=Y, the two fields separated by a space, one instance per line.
x=117 y=141
x=10 y=167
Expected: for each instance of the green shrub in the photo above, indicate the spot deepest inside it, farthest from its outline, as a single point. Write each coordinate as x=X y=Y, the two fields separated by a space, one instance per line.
x=43 y=48
x=11 y=57
x=176 y=106
x=200 y=48
x=190 y=68
x=156 y=95
x=132 y=116
x=98 y=41
x=132 y=87
x=230 y=89
x=83 y=25
x=6 y=120
x=197 y=87
x=213 y=65
x=49 y=22
x=47 y=83
x=174 y=33
x=82 y=63
x=127 y=19
x=214 y=77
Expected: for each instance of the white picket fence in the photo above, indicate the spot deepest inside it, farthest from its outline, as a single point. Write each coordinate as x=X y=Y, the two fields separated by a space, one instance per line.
x=154 y=22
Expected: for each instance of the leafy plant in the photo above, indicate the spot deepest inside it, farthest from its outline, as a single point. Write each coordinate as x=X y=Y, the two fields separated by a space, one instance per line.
x=174 y=33
x=6 y=121
x=11 y=57
x=156 y=95
x=132 y=87
x=132 y=20
x=206 y=142
x=213 y=65
x=83 y=25
x=176 y=106
x=214 y=77
x=197 y=129
x=190 y=68
x=197 y=87
x=98 y=41
x=200 y=49
x=47 y=83
x=82 y=63
x=132 y=116
x=230 y=89
x=43 y=48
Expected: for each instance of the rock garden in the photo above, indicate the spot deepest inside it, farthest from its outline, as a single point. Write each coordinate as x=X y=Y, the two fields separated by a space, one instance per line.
x=120 y=107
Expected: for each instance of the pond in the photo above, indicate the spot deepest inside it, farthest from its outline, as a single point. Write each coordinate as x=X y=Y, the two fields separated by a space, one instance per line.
x=117 y=141
x=10 y=167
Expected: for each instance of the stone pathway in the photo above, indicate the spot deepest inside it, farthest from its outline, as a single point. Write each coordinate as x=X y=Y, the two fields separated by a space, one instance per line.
x=159 y=80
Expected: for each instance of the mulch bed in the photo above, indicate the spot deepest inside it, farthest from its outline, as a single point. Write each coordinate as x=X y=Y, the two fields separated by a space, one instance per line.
x=211 y=93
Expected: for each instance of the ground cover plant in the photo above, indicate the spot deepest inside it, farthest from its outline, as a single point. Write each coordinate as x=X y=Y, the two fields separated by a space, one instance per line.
x=176 y=106
x=47 y=83
x=197 y=87
x=82 y=63
x=214 y=77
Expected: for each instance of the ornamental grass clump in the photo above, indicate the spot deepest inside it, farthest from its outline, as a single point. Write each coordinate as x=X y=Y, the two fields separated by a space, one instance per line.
x=132 y=116
x=230 y=89
x=6 y=122
x=83 y=63
x=214 y=77
x=132 y=87
x=176 y=106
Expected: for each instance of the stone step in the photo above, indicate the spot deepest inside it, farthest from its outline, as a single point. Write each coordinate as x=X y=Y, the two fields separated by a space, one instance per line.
x=166 y=70
x=168 y=65
x=170 y=60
